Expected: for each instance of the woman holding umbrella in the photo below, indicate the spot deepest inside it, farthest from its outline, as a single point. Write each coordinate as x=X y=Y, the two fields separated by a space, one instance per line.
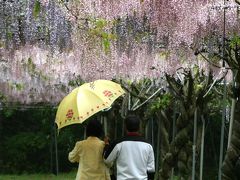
x=88 y=153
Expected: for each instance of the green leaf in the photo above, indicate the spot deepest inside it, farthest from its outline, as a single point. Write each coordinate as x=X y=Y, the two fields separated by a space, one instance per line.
x=31 y=65
x=8 y=112
x=101 y=23
x=9 y=35
x=106 y=45
x=112 y=36
x=3 y=98
x=104 y=35
x=19 y=86
x=235 y=41
x=36 y=9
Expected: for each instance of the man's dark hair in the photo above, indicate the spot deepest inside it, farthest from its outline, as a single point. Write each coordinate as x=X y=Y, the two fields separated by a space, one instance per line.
x=94 y=128
x=132 y=123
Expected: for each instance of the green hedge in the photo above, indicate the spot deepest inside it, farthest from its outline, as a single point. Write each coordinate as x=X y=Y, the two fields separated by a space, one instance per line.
x=27 y=141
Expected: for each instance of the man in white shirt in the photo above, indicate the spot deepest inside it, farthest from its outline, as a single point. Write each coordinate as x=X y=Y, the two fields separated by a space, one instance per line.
x=133 y=155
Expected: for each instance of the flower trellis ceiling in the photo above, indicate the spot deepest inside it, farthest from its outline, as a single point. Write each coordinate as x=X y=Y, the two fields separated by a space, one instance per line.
x=50 y=43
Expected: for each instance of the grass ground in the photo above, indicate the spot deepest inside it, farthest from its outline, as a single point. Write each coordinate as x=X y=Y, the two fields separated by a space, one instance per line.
x=61 y=176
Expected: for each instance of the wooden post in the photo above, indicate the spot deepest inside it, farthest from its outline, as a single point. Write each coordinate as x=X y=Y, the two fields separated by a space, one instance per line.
x=231 y=116
x=224 y=97
x=194 y=144
x=158 y=149
x=202 y=148
x=56 y=148
x=174 y=132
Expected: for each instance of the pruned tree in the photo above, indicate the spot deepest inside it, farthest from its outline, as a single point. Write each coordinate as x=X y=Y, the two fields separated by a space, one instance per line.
x=227 y=51
x=192 y=96
x=232 y=58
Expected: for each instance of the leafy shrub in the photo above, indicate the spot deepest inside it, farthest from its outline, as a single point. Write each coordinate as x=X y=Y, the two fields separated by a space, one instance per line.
x=27 y=141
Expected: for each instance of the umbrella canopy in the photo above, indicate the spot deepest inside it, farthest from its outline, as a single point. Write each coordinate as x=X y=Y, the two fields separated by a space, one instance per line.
x=86 y=100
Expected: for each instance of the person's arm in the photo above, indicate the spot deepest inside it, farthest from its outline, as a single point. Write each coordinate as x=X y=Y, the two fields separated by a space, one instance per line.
x=110 y=153
x=151 y=164
x=73 y=156
x=107 y=144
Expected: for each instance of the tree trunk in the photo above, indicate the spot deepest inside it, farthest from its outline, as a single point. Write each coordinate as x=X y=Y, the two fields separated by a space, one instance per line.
x=233 y=152
x=180 y=150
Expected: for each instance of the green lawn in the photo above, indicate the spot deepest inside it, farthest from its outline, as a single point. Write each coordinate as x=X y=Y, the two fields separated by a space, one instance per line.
x=61 y=176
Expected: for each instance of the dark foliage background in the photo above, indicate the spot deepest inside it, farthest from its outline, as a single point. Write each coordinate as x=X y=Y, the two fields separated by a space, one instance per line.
x=27 y=141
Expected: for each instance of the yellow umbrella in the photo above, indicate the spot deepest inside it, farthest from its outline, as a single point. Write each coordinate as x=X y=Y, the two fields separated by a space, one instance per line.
x=86 y=100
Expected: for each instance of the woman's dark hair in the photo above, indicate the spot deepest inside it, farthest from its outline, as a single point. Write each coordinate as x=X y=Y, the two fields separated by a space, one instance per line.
x=94 y=128
x=132 y=123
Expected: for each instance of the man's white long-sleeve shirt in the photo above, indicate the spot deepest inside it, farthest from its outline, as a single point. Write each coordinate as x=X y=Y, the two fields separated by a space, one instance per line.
x=134 y=157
